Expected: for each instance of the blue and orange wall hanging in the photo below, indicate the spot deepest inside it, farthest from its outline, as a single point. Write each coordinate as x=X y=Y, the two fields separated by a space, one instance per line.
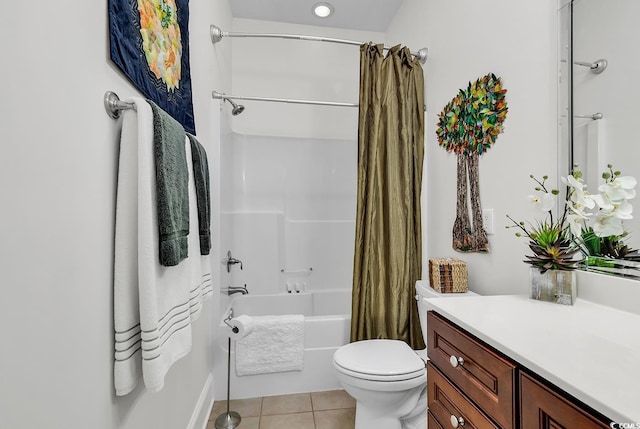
x=149 y=42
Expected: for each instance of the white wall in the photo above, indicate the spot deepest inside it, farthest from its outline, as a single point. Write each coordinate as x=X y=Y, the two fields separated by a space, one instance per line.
x=468 y=39
x=57 y=185
x=300 y=70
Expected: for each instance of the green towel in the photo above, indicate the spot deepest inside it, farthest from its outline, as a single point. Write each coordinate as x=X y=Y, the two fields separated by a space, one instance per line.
x=172 y=187
x=201 y=181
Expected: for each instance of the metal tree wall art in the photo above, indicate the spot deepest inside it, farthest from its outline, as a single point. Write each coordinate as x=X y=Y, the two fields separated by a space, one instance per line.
x=468 y=125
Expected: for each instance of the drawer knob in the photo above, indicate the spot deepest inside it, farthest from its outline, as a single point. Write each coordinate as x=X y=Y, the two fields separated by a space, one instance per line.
x=457 y=421
x=455 y=361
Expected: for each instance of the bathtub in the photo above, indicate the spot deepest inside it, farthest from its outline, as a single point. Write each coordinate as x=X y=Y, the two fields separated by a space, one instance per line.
x=326 y=328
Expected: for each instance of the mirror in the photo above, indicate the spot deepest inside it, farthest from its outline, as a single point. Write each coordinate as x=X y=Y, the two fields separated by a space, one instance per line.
x=599 y=102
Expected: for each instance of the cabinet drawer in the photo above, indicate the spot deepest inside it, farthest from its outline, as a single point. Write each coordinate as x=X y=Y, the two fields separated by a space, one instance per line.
x=485 y=377
x=541 y=407
x=447 y=404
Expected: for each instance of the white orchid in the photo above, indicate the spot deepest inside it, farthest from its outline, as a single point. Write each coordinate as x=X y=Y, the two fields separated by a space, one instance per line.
x=607 y=226
x=603 y=201
x=579 y=197
x=612 y=204
x=543 y=202
x=576 y=222
x=620 y=188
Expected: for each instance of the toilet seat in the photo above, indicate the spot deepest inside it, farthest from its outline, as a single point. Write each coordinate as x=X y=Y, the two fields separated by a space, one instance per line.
x=379 y=360
x=385 y=378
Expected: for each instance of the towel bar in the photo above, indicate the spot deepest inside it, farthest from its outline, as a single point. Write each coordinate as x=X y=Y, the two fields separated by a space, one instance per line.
x=113 y=105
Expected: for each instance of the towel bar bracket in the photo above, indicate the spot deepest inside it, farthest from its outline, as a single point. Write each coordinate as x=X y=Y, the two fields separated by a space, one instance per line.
x=113 y=105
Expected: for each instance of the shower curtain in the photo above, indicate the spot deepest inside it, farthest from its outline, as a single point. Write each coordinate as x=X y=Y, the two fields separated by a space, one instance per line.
x=388 y=254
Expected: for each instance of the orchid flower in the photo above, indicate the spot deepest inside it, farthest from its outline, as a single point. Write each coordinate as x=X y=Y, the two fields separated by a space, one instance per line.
x=544 y=202
x=620 y=188
x=576 y=223
x=606 y=226
x=603 y=201
x=579 y=195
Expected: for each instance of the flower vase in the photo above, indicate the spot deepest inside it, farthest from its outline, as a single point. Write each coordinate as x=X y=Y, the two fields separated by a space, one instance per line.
x=558 y=286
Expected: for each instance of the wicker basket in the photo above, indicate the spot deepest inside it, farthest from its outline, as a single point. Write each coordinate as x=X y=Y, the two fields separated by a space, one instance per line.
x=448 y=275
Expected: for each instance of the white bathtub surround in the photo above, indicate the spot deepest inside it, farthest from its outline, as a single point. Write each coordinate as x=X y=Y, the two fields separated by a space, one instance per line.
x=276 y=344
x=153 y=305
x=326 y=328
x=290 y=204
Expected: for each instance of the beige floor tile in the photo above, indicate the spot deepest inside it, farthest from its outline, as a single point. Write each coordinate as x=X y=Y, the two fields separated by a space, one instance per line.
x=293 y=421
x=244 y=407
x=249 y=423
x=285 y=404
x=245 y=423
x=335 y=419
x=331 y=400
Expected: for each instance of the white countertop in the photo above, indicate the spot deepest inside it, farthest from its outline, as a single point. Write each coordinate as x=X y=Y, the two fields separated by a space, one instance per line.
x=590 y=351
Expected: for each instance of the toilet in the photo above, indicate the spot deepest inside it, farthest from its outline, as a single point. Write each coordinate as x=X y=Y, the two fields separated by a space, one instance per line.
x=387 y=378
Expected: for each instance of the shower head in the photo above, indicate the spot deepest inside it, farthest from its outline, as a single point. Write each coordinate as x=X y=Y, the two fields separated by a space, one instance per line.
x=237 y=108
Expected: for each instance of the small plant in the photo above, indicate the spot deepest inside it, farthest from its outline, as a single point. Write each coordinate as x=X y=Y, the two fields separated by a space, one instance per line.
x=550 y=241
x=612 y=247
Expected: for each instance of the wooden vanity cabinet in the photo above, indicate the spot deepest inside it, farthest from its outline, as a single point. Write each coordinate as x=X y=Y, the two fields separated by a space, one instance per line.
x=470 y=385
x=543 y=408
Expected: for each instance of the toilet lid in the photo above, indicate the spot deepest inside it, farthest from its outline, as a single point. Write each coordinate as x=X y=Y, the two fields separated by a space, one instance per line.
x=379 y=359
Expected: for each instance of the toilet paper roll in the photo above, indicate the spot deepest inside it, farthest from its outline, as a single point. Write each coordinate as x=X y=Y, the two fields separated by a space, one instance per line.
x=244 y=325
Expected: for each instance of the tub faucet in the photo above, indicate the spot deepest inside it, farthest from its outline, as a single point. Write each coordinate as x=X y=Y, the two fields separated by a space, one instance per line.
x=237 y=289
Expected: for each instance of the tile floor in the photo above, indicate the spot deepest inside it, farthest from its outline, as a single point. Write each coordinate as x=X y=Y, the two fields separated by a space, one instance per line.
x=318 y=410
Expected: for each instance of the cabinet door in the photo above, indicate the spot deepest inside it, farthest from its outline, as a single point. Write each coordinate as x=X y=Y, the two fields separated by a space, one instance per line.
x=542 y=408
x=487 y=378
x=432 y=423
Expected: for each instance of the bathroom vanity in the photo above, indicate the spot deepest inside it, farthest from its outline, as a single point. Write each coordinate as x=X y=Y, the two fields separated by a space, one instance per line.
x=513 y=362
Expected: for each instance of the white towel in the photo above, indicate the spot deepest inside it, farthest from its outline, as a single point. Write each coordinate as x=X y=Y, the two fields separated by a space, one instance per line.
x=276 y=344
x=153 y=305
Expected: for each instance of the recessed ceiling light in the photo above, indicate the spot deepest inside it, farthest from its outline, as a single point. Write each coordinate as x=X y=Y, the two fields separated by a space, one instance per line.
x=322 y=10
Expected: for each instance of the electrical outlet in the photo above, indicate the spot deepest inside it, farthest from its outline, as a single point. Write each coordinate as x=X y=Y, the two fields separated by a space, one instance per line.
x=487 y=220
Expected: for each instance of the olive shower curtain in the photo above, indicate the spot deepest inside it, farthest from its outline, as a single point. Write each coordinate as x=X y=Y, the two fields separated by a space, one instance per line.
x=388 y=254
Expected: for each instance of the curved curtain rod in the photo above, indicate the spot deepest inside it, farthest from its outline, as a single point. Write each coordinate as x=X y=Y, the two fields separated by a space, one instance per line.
x=217 y=34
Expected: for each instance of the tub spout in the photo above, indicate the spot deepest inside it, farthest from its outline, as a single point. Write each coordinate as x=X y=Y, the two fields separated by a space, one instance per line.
x=236 y=289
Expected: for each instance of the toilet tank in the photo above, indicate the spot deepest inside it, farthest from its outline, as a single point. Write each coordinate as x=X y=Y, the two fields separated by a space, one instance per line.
x=424 y=291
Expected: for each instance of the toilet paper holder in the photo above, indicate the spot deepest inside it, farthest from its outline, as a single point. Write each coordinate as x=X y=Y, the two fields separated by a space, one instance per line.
x=226 y=320
x=229 y=419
